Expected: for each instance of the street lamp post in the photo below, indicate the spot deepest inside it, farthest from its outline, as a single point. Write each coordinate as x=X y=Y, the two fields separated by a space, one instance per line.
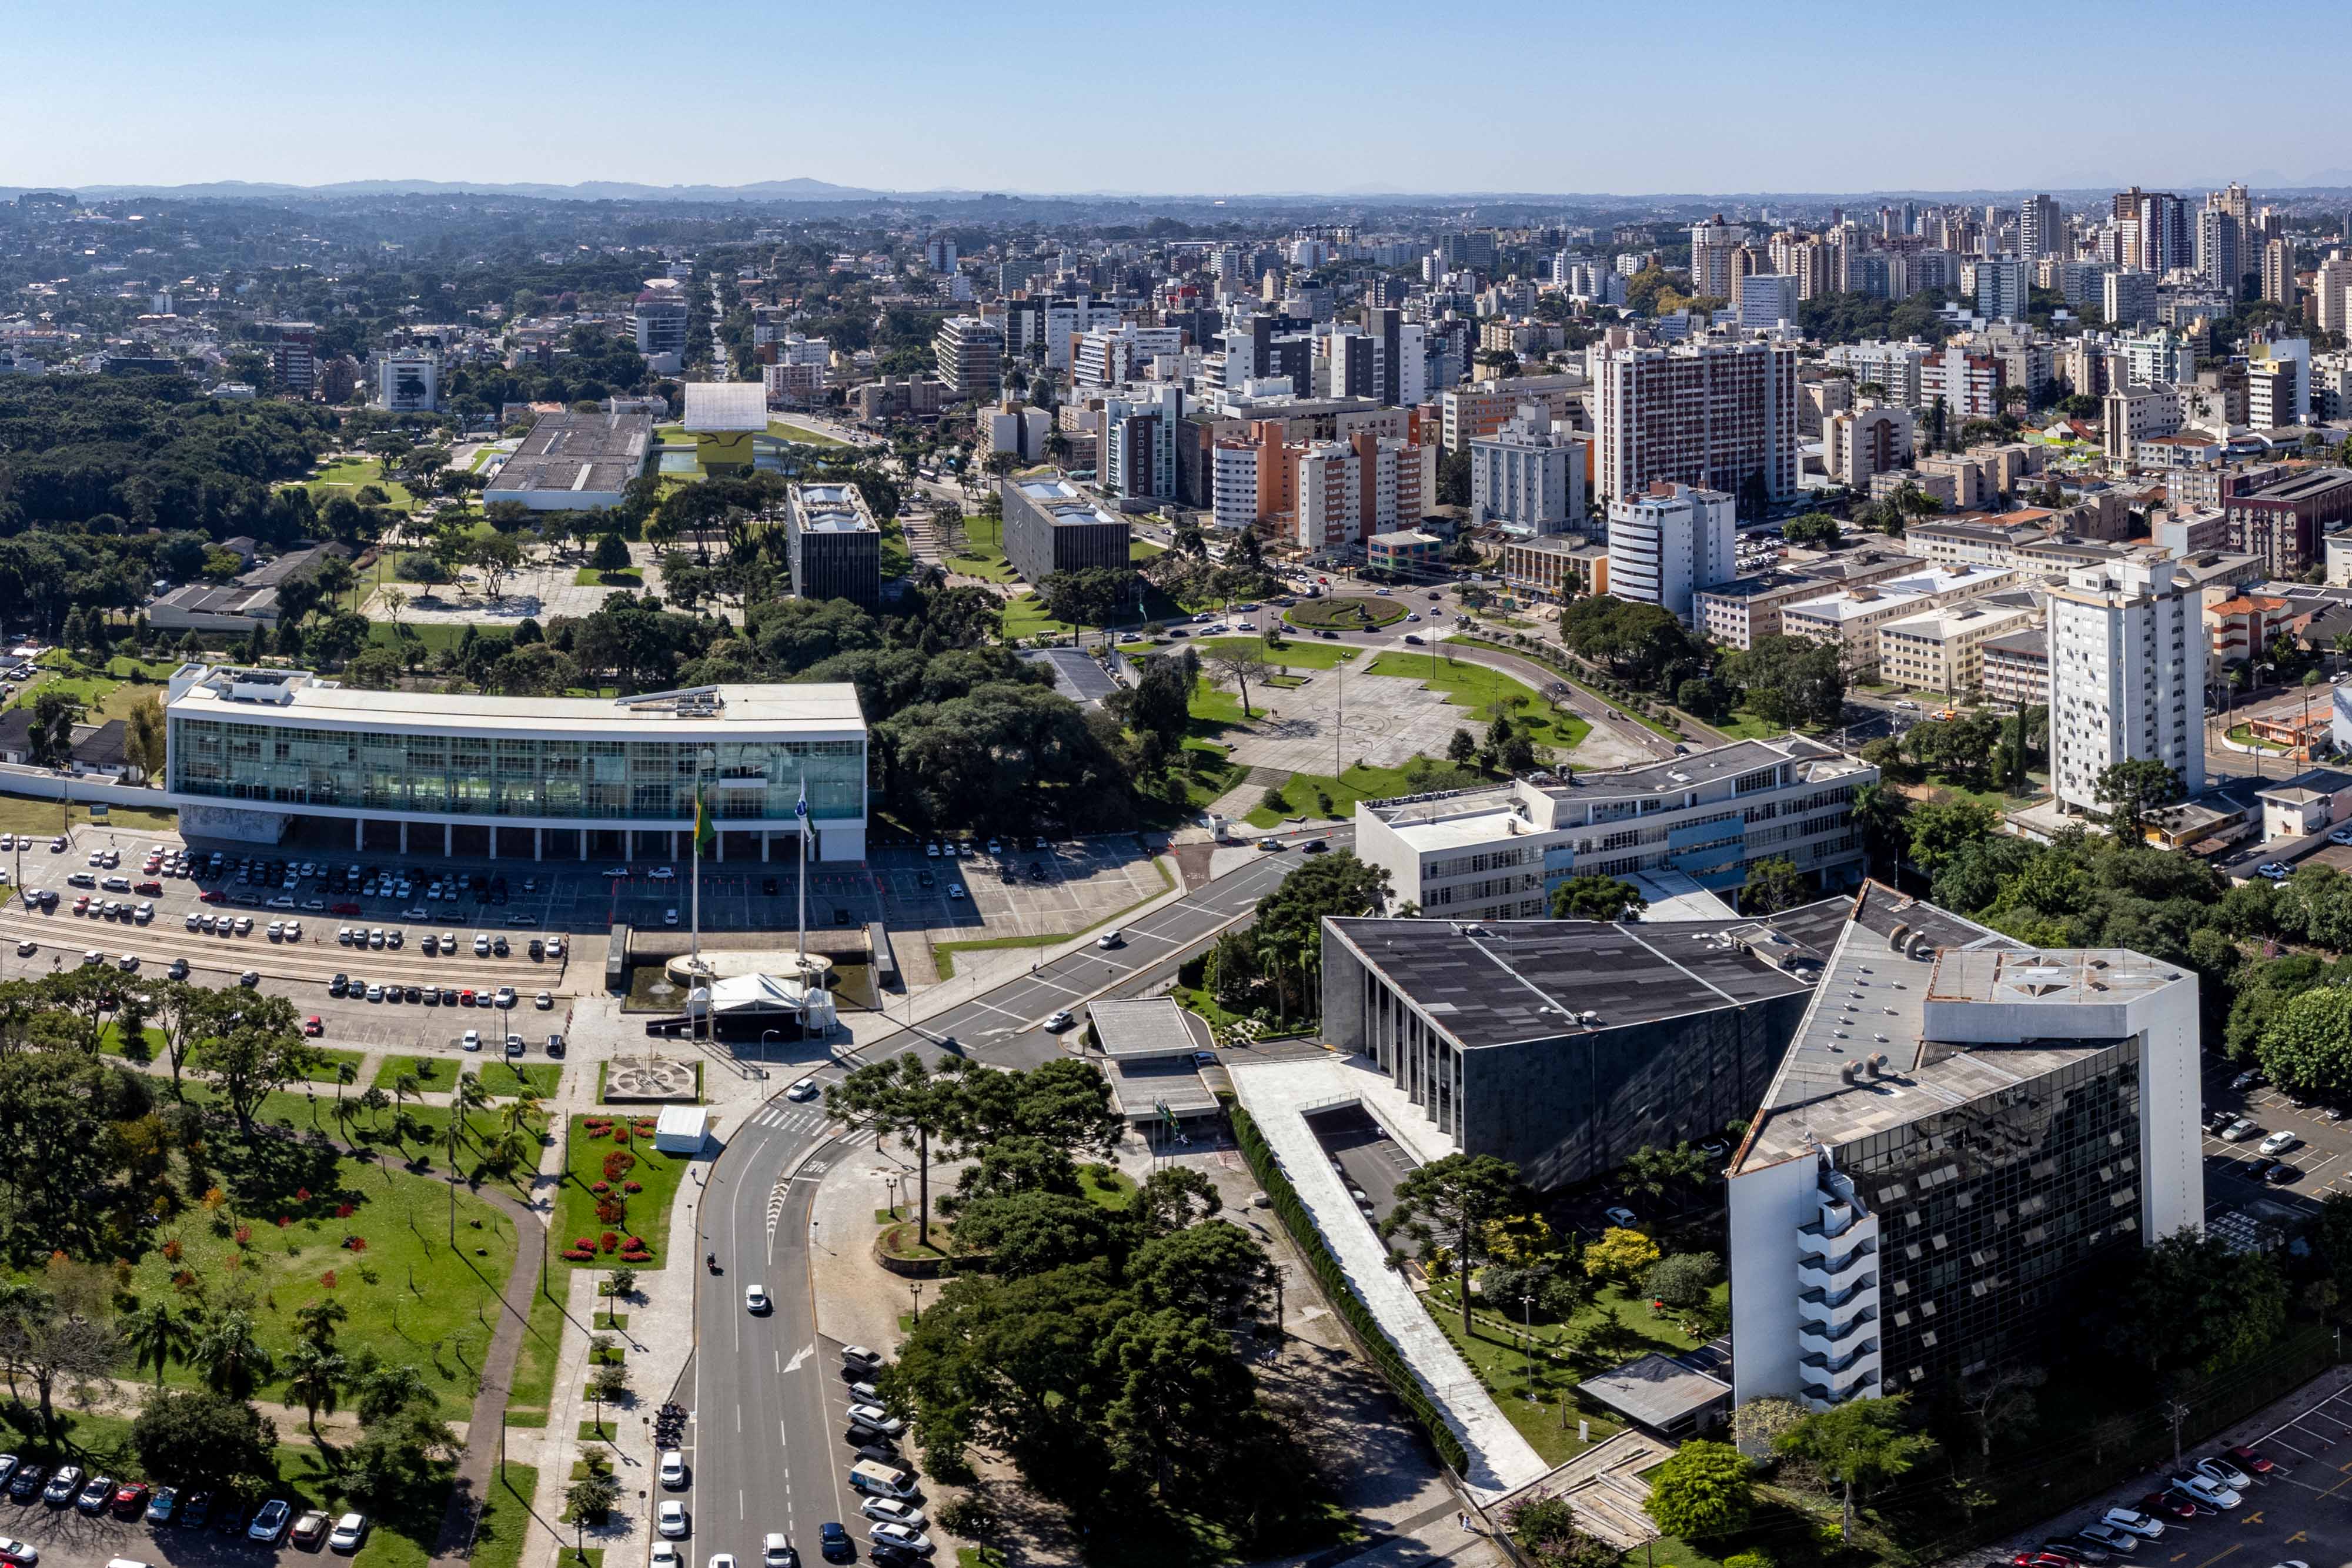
x=916 y=1286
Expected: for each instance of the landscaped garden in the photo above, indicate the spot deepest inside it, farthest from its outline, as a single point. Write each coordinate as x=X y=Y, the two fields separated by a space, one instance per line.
x=1346 y=612
x=613 y=1206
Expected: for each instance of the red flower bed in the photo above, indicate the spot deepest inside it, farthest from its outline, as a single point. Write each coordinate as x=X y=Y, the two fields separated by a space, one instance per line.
x=600 y=1186
x=633 y=1187
x=577 y=1255
x=609 y=1241
x=618 y=1163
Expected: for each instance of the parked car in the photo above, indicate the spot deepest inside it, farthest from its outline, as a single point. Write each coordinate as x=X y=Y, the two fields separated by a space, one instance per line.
x=270 y=1522
x=2109 y=1539
x=875 y=1418
x=2249 y=1460
x=19 y=1553
x=27 y=1483
x=673 y=1470
x=2146 y=1526
x=2205 y=1489
x=2276 y=871
x=670 y=1519
x=890 y=1510
x=62 y=1486
x=2278 y=1143
x=2220 y=1472
x=2239 y=1131
x=349 y=1533
x=309 y=1529
x=898 y=1535
x=163 y=1507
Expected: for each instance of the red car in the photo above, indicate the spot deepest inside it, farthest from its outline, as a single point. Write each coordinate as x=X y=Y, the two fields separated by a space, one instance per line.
x=131 y=1500
x=345 y=909
x=149 y=890
x=2043 y=1559
x=211 y=895
x=2167 y=1504
x=2249 y=1460
x=311 y=1026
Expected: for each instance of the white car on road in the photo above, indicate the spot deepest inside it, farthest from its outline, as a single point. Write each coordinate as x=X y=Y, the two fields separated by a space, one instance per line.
x=890 y=1510
x=671 y=1520
x=673 y=1470
x=755 y=1298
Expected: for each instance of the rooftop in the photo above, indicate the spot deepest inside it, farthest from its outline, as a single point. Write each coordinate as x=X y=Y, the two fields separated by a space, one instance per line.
x=1153 y=1027
x=719 y=712
x=586 y=452
x=1656 y=1390
x=720 y=406
x=1864 y=1059
x=832 y=509
x=1502 y=982
x=1892 y=592
x=1060 y=500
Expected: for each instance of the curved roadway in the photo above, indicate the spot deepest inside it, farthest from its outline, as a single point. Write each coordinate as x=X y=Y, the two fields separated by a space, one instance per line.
x=765 y=1444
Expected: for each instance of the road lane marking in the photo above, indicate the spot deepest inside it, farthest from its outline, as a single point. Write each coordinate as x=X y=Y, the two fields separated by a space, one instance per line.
x=800 y=1356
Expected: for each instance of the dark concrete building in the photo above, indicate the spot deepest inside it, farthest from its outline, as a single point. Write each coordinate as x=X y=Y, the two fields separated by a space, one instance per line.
x=1565 y=1045
x=2282 y=521
x=1050 y=526
x=835 y=545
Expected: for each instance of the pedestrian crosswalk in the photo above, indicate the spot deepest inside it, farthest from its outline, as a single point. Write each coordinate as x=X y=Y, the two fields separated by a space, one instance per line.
x=792 y=1118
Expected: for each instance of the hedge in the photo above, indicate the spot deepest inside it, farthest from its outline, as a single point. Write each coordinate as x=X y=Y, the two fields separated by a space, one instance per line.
x=1370 y=1338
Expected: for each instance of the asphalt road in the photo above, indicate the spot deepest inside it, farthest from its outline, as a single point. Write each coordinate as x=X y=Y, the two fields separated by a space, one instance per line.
x=765 y=1446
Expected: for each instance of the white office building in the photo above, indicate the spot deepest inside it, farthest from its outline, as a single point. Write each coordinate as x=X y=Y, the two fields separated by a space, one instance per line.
x=1893 y=365
x=1497 y=852
x=408 y=381
x=1767 y=299
x=1670 y=543
x=1529 y=476
x=255 y=753
x=2126 y=676
x=1965 y=1144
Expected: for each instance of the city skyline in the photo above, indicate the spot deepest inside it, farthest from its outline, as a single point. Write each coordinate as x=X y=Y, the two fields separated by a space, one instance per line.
x=322 y=98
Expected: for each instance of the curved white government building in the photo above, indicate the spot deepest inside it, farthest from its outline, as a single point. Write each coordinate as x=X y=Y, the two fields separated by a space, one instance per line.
x=258 y=753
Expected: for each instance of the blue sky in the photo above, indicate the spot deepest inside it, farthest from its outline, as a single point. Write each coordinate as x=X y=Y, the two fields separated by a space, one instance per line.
x=1307 y=95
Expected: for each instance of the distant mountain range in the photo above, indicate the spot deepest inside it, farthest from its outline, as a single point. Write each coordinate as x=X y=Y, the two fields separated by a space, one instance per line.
x=807 y=190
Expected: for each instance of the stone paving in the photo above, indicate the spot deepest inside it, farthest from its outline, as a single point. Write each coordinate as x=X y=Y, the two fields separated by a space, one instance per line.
x=1379 y=720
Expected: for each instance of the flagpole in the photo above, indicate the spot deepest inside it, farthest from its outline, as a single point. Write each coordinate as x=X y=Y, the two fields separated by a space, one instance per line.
x=802 y=810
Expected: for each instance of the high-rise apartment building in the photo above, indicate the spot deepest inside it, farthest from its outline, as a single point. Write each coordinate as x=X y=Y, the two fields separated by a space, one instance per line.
x=2128 y=298
x=2329 y=284
x=2126 y=676
x=2000 y=288
x=293 y=355
x=1719 y=415
x=1712 y=243
x=2040 y=229
x=408 y=381
x=939 y=254
x=1138 y=443
x=2221 y=248
x=2278 y=273
x=1529 y=476
x=834 y=544
x=1346 y=491
x=1670 y=542
x=970 y=355
x=2166 y=240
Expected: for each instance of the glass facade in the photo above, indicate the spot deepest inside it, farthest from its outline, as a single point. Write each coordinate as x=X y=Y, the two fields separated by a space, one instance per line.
x=487 y=775
x=1992 y=1213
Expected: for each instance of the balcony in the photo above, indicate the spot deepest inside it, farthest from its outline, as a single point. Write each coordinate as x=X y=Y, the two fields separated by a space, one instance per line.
x=1829 y=1340
x=1824 y=1387
x=1820 y=1271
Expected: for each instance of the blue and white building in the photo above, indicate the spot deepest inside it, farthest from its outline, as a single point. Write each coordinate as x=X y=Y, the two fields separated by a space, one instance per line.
x=1496 y=853
x=266 y=755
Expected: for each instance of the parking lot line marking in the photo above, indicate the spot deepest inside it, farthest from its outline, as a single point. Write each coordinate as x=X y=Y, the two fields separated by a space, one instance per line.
x=2290 y=1447
x=2219 y=1555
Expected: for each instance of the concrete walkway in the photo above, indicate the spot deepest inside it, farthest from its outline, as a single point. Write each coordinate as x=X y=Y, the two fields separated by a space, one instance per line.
x=1277 y=1093
x=476 y=1467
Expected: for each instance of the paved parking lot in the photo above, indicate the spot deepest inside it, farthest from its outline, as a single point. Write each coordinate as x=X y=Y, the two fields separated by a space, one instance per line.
x=1023 y=892
x=2298 y=1512
x=2238 y=1205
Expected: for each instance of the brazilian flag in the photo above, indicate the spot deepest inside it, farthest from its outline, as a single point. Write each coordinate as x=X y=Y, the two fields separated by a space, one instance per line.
x=704 y=830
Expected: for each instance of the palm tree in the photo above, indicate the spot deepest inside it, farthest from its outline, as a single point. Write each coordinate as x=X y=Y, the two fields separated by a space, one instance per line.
x=232 y=1357
x=403 y=1086
x=314 y=1378
x=316 y=1321
x=157 y=1332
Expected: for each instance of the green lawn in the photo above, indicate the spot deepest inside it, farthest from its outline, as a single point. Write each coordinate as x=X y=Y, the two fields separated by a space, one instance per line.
x=1746 y=725
x=1346 y=612
x=431 y=1072
x=800 y=433
x=104 y=692
x=434 y=636
x=1106 y=1186
x=109 y=1043
x=351 y=475
x=1358 y=783
x=412 y=1296
x=533 y=1392
x=620 y=576
x=648 y=1211
x=983 y=551
x=1215 y=705
x=1547 y=662
x=1295 y=652
x=22 y=814
x=1485 y=693
x=504 y=1078
x=1612 y=1328
x=505 y=1517
x=1024 y=616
